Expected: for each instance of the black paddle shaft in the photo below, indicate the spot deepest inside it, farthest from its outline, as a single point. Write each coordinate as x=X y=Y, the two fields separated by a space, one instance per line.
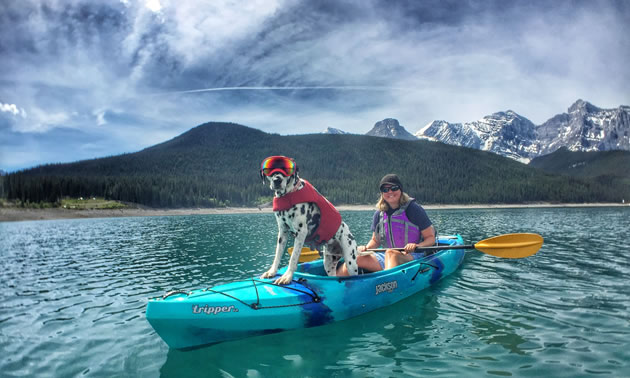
x=432 y=248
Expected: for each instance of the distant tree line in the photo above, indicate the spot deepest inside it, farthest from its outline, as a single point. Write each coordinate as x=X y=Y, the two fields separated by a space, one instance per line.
x=216 y=165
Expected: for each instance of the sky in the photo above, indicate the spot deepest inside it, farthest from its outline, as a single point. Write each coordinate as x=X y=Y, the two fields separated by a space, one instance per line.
x=82 y=79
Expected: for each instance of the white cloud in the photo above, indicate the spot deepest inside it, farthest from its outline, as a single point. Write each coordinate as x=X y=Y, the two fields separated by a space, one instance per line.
x=195 y=30
x=13 y=109
x=100 y=117
x=153 y=5
x=41 y=121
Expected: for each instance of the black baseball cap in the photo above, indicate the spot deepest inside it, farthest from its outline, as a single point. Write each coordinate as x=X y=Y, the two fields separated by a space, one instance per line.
x=391 y=179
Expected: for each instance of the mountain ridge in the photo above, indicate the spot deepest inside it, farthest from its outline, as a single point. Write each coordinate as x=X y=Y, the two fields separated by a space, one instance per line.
x=216 y=164
x=584 y=127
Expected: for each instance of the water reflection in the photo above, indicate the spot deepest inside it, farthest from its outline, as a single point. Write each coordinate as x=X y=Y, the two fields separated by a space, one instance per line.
x=359 y=344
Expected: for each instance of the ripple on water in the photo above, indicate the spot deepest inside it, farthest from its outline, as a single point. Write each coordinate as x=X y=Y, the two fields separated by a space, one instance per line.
x=76 y=290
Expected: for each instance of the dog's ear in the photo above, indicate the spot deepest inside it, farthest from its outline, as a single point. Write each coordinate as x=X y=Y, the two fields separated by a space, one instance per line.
x=262 y=177
x=295 y=174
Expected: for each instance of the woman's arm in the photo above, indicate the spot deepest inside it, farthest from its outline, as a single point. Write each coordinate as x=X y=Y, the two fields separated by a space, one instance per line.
x=373 y=243
x=428 y=236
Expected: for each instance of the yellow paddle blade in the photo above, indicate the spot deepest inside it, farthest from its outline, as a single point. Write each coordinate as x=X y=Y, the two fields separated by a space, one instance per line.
x=511 y=246
x=306 y=255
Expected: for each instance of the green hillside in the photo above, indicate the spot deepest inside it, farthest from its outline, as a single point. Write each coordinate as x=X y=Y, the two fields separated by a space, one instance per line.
x=216 y=164
x=610 y=169
x=585 y=164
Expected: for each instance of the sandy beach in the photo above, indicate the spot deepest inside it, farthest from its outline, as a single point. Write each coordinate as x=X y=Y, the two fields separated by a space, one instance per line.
x=15 y=214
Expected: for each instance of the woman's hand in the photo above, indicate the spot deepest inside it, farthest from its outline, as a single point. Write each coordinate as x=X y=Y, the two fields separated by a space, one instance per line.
x=411 y=247
x=373 y=243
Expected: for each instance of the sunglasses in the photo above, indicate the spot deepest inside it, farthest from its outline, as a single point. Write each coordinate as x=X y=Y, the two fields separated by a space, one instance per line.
x=274 y=164
x=393 y=188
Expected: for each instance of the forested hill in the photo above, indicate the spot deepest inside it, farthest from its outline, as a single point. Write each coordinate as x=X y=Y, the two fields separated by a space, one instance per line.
x=586 y=164
x=216 y=164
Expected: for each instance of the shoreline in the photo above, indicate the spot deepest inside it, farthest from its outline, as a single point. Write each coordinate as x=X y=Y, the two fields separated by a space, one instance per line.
x=14 y=214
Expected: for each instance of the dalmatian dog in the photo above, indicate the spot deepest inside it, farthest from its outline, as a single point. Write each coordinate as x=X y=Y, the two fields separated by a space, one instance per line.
x=305 y=214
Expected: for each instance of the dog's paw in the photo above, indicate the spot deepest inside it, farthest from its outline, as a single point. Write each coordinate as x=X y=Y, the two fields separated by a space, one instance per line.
x=285 y=279
x=269 y=274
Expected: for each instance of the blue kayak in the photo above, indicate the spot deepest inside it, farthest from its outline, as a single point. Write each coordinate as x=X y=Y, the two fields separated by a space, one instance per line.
x=256 y=306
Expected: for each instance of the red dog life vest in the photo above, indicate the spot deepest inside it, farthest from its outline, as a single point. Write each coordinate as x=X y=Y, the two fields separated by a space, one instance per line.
x=330 y=218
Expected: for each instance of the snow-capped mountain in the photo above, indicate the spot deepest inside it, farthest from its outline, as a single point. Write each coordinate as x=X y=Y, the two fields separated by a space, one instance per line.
x=584 y=128
x=504 y=133
x=332 y=130
x=390 y=128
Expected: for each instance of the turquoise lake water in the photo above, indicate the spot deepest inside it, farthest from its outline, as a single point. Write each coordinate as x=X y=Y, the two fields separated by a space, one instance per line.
x=75 y=291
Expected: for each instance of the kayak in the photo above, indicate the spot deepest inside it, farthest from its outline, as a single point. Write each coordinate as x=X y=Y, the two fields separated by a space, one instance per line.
x=256 y=306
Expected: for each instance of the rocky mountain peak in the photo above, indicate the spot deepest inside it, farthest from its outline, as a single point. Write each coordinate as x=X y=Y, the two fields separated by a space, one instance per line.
x=584 y=128
x=390 y=128
x=504 y=133
x=332 y=130
x=583 y=107
x=506 y=116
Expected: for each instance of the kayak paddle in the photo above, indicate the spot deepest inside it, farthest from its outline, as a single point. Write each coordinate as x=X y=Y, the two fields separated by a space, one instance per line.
x=509 y=246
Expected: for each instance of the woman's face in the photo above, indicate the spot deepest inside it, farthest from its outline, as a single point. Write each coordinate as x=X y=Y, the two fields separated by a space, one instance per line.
x=392 y=197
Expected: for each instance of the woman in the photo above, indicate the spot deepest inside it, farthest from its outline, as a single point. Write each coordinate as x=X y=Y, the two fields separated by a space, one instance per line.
x=399 y=222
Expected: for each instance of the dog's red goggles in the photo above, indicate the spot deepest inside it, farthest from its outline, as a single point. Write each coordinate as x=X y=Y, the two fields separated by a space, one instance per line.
x=274 y=164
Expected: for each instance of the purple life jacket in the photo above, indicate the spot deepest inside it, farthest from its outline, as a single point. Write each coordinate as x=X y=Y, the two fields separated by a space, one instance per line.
x=397 y=230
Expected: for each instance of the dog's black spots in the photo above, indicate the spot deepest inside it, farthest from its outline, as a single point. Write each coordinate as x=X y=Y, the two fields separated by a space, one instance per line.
x=314 y=220
x=300 y=225
x=351 y=237
x=349 y=263
x=303 y=209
